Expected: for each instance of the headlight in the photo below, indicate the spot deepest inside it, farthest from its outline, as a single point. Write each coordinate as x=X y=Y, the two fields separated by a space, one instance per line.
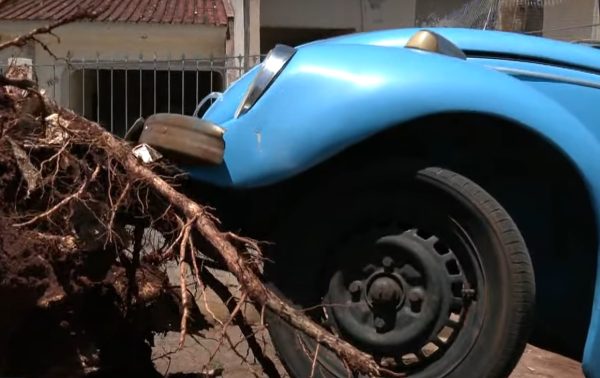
x=270 y=68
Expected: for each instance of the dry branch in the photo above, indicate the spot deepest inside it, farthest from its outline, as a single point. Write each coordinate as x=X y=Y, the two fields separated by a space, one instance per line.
x=22 y=40
x=63 y=202
x=251 y=283
x=225 y=294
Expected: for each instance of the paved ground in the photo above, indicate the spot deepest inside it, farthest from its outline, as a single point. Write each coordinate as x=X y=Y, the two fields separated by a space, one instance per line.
x=536 y=363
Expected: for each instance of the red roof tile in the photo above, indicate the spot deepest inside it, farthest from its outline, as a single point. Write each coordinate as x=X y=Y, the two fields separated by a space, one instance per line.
x=208 y=12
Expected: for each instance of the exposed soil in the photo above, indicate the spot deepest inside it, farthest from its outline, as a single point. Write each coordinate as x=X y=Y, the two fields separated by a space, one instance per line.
x=65 y=314
x=77 y=298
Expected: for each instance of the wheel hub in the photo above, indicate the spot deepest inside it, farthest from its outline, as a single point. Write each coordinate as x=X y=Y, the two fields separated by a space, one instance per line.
x=385 y=292
x=399 y=294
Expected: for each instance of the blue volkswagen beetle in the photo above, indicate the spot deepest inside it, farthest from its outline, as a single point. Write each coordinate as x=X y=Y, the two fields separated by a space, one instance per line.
x=411 y=182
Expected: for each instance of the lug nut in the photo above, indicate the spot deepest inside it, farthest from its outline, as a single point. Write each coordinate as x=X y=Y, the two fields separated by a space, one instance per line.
x=387 y=263
x=388 y=362
x=355 y=287
x=379 y=323
x=468 y=293
x=415 y=295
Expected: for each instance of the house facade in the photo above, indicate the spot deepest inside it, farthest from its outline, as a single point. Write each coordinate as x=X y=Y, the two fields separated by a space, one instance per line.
x=136 y=57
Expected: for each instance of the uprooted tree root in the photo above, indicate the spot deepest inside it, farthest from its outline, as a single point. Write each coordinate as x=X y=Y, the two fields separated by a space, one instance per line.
x=76 y=250
x=72 y=269
x=85 y=233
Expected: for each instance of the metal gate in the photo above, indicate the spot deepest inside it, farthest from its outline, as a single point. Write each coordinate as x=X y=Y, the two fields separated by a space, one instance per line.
x=115 y=93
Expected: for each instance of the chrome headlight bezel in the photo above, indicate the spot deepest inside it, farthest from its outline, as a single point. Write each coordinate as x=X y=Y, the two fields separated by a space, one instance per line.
x=270 y=68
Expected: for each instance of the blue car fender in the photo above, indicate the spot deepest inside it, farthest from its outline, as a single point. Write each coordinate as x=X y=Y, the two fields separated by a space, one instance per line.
x=332 y=96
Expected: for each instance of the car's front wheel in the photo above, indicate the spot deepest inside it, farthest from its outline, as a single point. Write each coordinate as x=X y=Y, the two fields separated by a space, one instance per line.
x=422 y=269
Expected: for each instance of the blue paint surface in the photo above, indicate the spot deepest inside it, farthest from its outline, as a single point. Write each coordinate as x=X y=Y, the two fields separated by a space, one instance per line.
x=336 y=93
x=482 y=41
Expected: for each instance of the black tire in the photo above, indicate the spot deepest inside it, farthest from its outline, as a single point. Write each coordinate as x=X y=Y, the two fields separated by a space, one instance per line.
x=494 y=261
x=184 y=139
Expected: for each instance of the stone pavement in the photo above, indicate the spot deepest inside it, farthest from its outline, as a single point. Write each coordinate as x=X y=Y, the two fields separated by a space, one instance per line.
x=535 y=363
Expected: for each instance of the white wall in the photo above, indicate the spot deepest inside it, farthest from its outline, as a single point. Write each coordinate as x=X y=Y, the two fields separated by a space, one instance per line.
x=385 y=14
x=113 y=41
x=120 y=40
x=338 y=14
x=239 y=32
x=565 y=14
x=238 y=27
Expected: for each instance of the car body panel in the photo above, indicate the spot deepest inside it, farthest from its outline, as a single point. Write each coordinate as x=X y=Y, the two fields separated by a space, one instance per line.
x=378 y=88
x=578 y=92
x=223 y=109
x=336 y=93
x=482 y=42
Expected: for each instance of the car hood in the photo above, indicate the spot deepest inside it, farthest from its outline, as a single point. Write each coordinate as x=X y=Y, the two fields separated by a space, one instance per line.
x=486 y=43
x=475 y=43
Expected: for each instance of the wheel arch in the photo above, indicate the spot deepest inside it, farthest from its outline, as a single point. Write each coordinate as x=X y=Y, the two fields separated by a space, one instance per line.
x=286 y=133
x=541 y=187
x=547 y=192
